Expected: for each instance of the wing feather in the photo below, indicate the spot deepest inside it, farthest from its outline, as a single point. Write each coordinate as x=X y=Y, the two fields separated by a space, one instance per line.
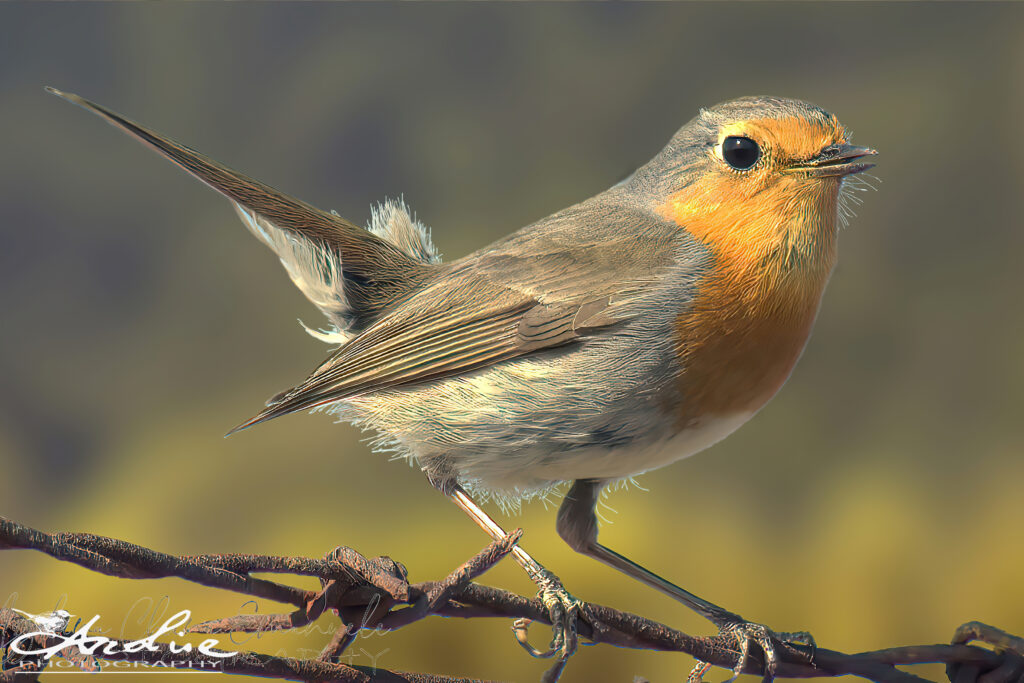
x=538 y=290
x=461 y=336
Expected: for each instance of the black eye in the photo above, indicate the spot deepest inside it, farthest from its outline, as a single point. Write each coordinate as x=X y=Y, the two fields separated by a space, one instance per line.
x=740 y=153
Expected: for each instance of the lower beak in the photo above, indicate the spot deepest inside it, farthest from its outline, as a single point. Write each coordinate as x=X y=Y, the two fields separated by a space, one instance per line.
x=838 y=160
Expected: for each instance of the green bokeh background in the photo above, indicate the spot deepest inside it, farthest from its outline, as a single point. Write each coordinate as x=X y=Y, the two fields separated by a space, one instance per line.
x=875 y=502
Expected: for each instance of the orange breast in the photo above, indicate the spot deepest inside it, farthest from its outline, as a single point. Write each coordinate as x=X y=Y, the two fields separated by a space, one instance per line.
x=735 y=352
x=738 y=341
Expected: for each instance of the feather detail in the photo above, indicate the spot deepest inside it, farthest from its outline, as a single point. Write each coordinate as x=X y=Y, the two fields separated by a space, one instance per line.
x=318 y=271
x=315 y=269
x=348 y=272
x=391 y=220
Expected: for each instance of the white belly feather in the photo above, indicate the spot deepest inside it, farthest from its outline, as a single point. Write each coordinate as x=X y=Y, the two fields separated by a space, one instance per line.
x=600 y=462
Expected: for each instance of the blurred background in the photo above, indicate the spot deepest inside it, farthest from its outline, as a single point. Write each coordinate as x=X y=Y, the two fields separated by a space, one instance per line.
x=875 y=502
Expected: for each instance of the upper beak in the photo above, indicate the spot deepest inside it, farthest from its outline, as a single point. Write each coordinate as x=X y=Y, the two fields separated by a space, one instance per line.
x=838 y=160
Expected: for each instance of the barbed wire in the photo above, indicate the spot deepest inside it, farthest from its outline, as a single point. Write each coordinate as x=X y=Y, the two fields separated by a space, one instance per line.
x=375 y=594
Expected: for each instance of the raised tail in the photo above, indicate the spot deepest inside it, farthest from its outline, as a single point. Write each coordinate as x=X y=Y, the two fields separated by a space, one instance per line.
x=348 y=272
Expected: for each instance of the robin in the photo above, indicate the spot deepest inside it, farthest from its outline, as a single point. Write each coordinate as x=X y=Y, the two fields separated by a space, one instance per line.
x=614 y=337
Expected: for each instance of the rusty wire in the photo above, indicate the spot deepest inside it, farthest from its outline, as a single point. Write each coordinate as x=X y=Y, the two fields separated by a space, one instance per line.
x=376 y=594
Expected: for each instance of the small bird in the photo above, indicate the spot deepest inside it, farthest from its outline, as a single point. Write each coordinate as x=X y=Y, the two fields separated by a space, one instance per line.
x=51 y=622
x=616 y=336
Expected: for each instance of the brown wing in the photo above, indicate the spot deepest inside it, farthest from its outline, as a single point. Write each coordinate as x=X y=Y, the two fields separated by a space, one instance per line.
x=465 y=324
x=539 y=290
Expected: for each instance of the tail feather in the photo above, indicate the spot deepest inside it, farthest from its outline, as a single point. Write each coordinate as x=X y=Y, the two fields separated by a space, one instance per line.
x=350 y=273
x=391 y=221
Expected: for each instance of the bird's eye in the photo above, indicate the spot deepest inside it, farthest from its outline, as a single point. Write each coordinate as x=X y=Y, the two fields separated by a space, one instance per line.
x=740 y=153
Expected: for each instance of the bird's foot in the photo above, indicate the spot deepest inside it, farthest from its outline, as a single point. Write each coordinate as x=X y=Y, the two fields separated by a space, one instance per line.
x=769 y=641
x=565 y=611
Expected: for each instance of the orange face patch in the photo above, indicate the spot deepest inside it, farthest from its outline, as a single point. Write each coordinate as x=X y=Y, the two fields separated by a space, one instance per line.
x=748 y=222
x=789 y=139
x=773 y=238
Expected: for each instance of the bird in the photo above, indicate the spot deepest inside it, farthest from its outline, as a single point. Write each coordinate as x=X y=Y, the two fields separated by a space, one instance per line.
x=51 y=622
x=616 y=336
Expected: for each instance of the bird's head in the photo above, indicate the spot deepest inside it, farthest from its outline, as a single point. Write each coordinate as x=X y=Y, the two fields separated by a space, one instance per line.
x=761 y=141
x=758 y=175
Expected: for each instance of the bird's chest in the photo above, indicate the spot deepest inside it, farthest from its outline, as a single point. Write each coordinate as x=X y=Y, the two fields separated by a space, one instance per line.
x=738 y=342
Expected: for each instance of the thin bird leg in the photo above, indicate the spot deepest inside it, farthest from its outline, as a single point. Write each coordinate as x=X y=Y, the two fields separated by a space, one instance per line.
x=563 y=609
x=577 y=525
x=484 y=521
x=710 y=611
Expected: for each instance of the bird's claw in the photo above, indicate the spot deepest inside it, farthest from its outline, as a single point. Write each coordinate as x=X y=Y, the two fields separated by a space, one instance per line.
x=746 y=632
x=564 y=611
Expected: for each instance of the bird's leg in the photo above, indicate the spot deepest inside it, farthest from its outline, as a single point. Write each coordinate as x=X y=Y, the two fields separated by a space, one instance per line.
x=577 y=525
x=564 y=610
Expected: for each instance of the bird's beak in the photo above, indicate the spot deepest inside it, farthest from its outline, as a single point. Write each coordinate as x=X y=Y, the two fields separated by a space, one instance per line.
x=837 y=160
